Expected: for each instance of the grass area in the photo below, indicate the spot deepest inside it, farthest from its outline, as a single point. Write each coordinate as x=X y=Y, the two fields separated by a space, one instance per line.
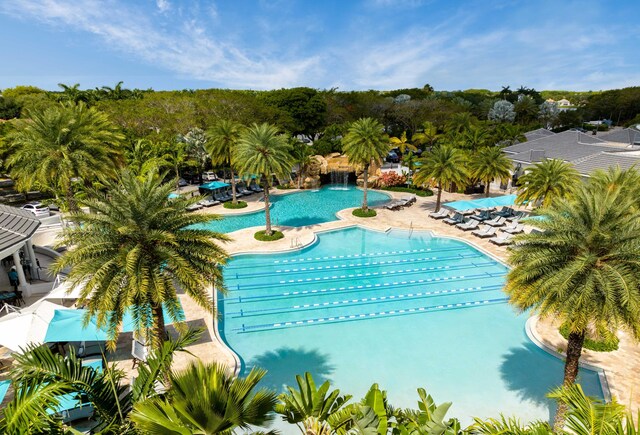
x=607 y=344
x=286 y=187
x=262 y=236
x=358 y=212
x=414 y=190
x=239 y=204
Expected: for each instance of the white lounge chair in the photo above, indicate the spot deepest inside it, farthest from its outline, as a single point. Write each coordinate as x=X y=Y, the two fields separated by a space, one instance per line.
x=194 y=207
x=502 y=239
x=514 y=229
x=443 y=213
x=468 y=225
x=485 y=232
x=208 y=202
x=497 y=221
x=457 y=218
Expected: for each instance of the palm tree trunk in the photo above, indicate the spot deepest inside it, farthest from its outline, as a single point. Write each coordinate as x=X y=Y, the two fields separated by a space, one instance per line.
x=488 y=187
x=365 y=207
x=233 y=187
x=571 y=367
x=177 y=179
x=160 y=333
x=267 y=212
x=72 y=205
x=438 y=197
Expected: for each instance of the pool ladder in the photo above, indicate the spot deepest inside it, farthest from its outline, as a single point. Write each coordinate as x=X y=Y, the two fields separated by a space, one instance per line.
x=295 y=242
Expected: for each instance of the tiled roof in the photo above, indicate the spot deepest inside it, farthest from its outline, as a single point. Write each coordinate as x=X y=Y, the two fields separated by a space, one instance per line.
x=628 y=136
x=606 y=160
x=538 y=134
x=16 y=225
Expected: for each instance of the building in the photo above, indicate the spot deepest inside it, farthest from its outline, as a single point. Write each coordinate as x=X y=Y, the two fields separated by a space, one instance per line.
x=17 y=227
x=586 y=152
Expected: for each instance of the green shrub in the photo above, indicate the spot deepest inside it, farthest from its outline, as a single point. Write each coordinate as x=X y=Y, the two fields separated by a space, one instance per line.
x=239 y=204
x=358 y=212
x=609 y=343
x=414 y=190
x=286 y=187
x=262 y=236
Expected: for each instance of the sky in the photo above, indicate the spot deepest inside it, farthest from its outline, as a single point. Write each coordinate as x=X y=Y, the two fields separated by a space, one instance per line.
x=349 y=45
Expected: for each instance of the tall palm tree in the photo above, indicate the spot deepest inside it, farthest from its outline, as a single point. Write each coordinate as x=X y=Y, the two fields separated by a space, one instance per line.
x=475 y=137
x=143 y=156
x=223 y=139
x=428 y=136
x=582 y=269
x=301 y=155
x=176 y=156
x=263 y=150
x=488 y=164
x=401 y=143
x=443 y=165
x=365 y=143
x=206 y=399
x=627 y=180
x=547 y=181
x=59 y=145
x=133 y=252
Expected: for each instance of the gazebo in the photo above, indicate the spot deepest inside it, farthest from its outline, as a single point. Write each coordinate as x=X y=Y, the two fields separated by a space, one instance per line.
x=17 y=227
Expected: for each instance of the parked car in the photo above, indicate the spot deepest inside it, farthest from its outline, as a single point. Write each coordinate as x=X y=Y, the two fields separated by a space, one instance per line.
x=37 y=208
x=209 y=176
x=392 y=157
x=182 y=182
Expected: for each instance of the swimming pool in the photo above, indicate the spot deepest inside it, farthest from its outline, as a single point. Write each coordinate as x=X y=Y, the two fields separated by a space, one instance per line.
x=301 y=208
x=405 y=310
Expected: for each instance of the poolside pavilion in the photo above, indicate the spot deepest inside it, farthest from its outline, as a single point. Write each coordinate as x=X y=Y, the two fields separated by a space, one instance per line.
x=17 y=227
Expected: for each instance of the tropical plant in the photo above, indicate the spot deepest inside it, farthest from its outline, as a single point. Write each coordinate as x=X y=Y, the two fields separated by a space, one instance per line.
x=401 y=143
x=195 y=143
x=428 y=136
x=502 y=111
x=488 y=164
x=142 y=156
x=627 y=180
x=56 y=146
x=206 y=399
x=444 y=165
x=298 y=405
x=301 y=155
x=223 y=138
x=475 y=138
x=365 y=143
x=581 y=268
x=133 y=250
x=263 y=150
x=40 y=378
x=176 y=155
x=428 y=419
x=546 y=182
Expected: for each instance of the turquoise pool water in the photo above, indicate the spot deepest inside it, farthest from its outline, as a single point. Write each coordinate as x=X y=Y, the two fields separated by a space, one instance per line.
x=301 y=208
x=403 y=310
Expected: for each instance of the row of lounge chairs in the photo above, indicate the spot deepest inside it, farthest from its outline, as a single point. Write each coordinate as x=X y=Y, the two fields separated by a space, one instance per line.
x=223 y=196
x=405 y=201
x=506 y=219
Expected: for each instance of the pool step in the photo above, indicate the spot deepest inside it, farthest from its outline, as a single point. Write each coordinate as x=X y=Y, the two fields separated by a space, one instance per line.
x=365 y=316
x=388 y=298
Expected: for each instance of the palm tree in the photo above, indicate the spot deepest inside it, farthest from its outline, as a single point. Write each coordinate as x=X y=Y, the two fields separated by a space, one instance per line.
x=223 y=139
x=301 y=155
x=443 y=165
x=142 y=157
x=134 y=251
x=582 y=269
x=206 y=399
x=488 y=164
x=262 y=150
x=627 y=180
x=365 y=143
x=475 y=138
x=176 y=156
x=59 y=145
x=428 y=136
x=401 y=143
x=547 y=181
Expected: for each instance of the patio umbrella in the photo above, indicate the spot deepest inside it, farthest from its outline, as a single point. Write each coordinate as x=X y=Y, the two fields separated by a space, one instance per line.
x=28 y=325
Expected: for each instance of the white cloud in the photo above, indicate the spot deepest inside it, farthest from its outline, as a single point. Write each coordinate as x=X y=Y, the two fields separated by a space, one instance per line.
x=163 y=5
x=188 y=49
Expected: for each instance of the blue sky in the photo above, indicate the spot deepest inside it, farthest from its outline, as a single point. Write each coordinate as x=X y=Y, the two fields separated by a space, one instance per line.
x=365 y=44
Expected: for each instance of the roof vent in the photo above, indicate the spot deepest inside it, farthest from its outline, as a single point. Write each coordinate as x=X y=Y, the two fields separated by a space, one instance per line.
x=536 y=156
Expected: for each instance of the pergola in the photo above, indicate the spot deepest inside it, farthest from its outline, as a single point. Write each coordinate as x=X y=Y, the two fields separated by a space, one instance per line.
x=16 y=229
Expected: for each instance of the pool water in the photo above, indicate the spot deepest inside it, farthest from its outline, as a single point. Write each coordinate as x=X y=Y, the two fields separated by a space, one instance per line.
x=405 y=310
x=298 y=209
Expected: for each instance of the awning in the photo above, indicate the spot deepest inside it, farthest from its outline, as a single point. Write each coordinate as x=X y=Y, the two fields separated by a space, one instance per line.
x=213 y=185
x=498 y=201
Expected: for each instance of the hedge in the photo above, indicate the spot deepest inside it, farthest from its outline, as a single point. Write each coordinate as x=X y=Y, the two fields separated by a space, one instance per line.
x=358 y=212
x=231 y=205
x=608 y=344
x=415 y=191
x=262 y=236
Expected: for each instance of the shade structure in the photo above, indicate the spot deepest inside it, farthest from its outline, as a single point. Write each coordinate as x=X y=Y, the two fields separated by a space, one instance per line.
x=29 y=325
x=64 y=291
x=4 y=387
x=213 y=185
x=173 y=196
x=498 y=201
x=46 y=322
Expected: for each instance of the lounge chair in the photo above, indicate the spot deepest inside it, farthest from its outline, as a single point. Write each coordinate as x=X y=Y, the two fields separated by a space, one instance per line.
x=443 y=213
x=468 y=225
x=254 y=187
x=208 y=202
x=505 y=212
x=408 y=200
x=514 y=229
x=485 y=232
x=498 y=221
x=457 y=218
x=516 y=216
x=218 y=197
x=244 y=190
x=502 y=239
x=395 y=205
x=194 y=207
x=484 y=215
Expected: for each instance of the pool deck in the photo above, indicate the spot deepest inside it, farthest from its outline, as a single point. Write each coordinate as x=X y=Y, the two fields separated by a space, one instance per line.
x=621 y=366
